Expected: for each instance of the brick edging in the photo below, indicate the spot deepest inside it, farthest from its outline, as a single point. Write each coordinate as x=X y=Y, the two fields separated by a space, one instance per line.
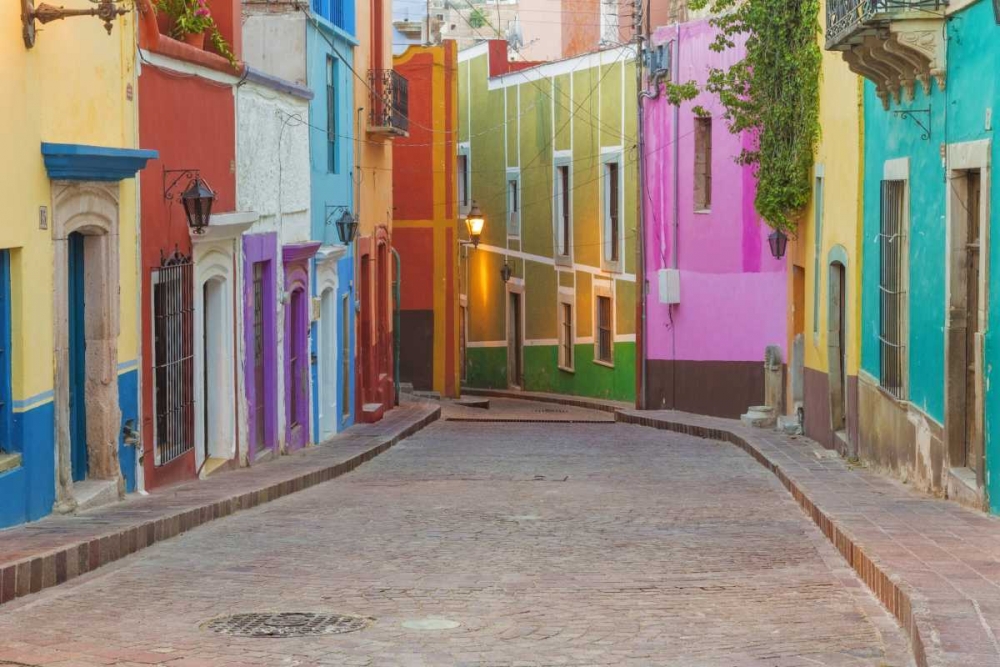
x=557 y=399
x=889 y=590
x=39 y=572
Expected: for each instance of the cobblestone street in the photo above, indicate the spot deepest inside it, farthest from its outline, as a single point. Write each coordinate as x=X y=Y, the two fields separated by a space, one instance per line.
x=547 y=543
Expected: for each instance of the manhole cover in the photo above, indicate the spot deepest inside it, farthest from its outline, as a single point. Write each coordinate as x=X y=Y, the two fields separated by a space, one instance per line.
x=286 y=624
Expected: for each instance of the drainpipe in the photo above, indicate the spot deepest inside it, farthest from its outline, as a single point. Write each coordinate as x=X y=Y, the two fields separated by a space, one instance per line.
x=676 y=149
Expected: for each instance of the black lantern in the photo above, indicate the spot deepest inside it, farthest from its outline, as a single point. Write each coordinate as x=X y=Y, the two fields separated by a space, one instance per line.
x=505 y=271
x=475 y=221
x=198 y=199
x=778 y=241
x=347 y=227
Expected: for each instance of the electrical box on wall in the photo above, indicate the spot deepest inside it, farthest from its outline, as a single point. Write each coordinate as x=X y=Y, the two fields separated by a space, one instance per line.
x=670 y=286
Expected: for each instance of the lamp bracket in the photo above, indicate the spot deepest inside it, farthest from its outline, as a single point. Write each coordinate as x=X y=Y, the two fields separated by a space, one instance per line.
x=915 y=115
x=175 y=176
x=330 y=215
x=107 y=10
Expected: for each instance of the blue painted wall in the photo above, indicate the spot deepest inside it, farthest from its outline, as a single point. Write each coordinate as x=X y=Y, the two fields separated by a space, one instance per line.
x=957 y=115
x=128 y=401
x=27 y=493
x=331 y=35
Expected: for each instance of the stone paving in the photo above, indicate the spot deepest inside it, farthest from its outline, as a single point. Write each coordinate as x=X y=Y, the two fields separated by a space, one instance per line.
x=58 y=548
x=569 y=544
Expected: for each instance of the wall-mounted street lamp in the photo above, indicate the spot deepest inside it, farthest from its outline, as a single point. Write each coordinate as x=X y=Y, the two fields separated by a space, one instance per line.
x=474 y=221
x=996 y=11
x=197 y=197
x=347 y=227
x=105 y=10
x=346 y=223
x=778 y=241
x=505 y=271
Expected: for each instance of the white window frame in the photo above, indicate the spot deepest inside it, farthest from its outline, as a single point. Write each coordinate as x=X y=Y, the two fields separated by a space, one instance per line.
x=514 y=213
x=612 y=156
x=562 y=159
x=567 y=297
x=463 y=186
x=603 y=289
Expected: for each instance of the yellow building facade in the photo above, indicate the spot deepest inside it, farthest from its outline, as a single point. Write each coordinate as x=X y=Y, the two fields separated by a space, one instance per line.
x=825 y=312
x=68 y=253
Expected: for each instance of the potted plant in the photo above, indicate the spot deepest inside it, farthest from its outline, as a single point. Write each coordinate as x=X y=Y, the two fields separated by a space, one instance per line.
x=191 y=21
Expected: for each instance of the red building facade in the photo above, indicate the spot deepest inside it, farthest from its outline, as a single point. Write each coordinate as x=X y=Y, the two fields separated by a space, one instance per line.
x=186 y=111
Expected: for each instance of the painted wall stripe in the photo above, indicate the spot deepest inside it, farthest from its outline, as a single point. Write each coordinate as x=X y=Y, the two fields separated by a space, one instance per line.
x=549 y=261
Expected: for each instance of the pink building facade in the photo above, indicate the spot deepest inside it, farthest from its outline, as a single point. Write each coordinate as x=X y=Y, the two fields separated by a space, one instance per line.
x=716 y=297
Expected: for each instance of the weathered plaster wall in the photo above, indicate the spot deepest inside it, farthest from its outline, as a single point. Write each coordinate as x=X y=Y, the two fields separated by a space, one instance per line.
x=830 y=230
x=958 y=114
x=333 y=188
x=165 y=91
x=728 y=280
x=70 y=88
x=426 y=223
x=273 y=181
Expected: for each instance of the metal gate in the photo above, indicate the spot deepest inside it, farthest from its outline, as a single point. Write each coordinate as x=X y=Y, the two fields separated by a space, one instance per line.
x=173 y=364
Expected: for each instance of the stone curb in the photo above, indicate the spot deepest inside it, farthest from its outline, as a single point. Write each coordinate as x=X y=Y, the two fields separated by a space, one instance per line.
x=39 y=572
x=571 y=401
x=894 y=595
x=904 y=604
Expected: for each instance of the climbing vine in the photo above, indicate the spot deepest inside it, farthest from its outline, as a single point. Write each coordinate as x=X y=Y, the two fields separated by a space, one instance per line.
x=772 y=93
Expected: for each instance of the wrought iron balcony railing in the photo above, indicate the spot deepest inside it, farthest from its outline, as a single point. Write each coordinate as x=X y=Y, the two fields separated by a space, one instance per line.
x=389 y=106
x=847 y=19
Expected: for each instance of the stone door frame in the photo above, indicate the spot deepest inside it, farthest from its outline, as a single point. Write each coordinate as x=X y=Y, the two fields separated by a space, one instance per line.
x=90 y=208
x=962 y=158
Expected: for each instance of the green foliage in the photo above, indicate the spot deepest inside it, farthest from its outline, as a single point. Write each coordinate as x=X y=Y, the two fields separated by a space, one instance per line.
x=773 y=93
x=192 y=17
x=477 y=19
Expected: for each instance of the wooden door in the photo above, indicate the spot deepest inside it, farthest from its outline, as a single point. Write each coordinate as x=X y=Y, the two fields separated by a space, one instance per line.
x=973 y=384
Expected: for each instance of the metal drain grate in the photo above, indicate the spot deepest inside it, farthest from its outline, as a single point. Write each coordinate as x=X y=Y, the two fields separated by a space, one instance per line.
x=286 y=624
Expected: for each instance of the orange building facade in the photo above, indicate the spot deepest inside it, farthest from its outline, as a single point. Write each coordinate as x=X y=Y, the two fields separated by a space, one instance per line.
x=425 y=225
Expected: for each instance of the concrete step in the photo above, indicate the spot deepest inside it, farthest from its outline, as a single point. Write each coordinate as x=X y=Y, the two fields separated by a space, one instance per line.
x=93 y=493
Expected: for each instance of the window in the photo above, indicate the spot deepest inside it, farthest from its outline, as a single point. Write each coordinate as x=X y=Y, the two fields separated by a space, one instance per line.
x=609 y=22
x=513 y=207
x=703 y=164
x=6 y=445
x=173 y=358
x=333 y=159
x=892 y=288
x=564 y=229
x=463 y=182
x=605 y=333
x=612 y=213
x=566 y=338
x=345 y=355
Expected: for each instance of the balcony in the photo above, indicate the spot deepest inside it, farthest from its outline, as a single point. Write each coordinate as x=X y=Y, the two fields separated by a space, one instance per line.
x=894 y=43
x=389 y=105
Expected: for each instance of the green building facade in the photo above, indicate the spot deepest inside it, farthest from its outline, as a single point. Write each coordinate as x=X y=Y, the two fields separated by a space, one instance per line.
x=548 y=153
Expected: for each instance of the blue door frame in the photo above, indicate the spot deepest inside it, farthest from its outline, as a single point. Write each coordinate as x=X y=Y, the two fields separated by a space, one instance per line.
x=77 y=359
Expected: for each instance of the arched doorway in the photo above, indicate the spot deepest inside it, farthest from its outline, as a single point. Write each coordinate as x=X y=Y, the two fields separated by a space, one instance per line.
x=327 y=348
x=837 y=347
x=86 y=279
x=215 y=417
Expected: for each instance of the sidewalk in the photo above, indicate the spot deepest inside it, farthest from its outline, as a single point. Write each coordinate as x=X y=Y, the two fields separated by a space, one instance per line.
x=934 y=564
x=58 y=548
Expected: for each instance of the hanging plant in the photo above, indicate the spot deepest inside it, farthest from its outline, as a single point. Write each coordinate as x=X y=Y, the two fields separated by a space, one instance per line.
x=772 y=93
x=193 y=17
